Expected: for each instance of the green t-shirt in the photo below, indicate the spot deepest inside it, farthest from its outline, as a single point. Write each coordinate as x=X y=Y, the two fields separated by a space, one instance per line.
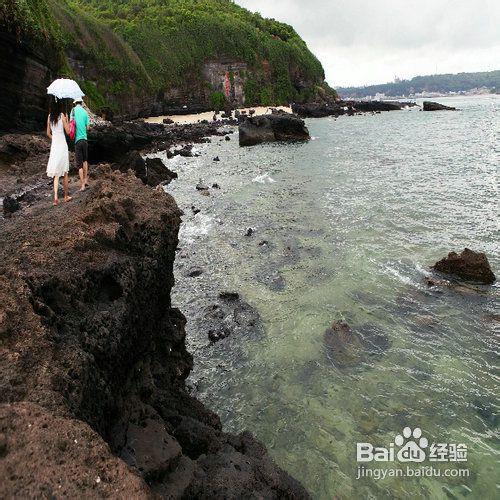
x=81 y=118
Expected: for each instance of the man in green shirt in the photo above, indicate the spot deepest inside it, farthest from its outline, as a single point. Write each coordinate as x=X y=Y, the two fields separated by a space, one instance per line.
x=81 y=117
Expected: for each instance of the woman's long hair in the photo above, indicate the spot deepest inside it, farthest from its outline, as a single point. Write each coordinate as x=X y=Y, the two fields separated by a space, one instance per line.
x=56 y=107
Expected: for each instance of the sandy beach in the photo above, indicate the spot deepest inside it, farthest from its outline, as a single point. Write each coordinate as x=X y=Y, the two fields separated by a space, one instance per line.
x=197 y=117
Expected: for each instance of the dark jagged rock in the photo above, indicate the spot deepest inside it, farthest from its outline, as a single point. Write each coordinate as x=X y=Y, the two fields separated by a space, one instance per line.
x=151 y=171
x=370 y=106
x=468 y=265
x=111 y=142
x=250 y=231
x=167 y=121
x=201 y=186
x=186 y=151
x=216 y=158
x=227 y=138
x=93 y=359
x=215 y=186
x=435 y=106
x=10 y=205
x=158 y=173
x=337 y=108
x=272 y=128
x=135 y=162
x=229 y=295
x=25 y=72
x=194 y=272
x=318 y=110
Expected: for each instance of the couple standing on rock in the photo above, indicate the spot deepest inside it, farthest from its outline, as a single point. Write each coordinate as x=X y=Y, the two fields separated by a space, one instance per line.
x=57 y=124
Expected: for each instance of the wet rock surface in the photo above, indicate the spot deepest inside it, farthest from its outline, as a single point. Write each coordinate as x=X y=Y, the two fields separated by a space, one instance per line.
x=93 y=360
x=158 y=173
x=435 y=106
x=231 y=315
x=272 y=128
x=338 y=108
x=112 y=142
x=467 y=265
x=10 y=205
x=347 y=348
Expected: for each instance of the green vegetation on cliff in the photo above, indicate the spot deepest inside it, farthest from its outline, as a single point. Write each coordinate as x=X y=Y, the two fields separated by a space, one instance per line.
x=146 y=49
x=173 y=39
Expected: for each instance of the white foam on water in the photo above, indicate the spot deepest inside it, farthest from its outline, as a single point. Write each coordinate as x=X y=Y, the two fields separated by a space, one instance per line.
x=196 y=228
x=400 y=277
x=263 y=179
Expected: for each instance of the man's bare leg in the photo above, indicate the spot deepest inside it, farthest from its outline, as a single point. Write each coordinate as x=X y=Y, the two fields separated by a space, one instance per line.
x=81 y=173
x=86 y=172
x=67 y=197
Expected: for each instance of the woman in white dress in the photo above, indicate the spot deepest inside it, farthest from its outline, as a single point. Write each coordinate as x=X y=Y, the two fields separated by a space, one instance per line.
x=58 y=165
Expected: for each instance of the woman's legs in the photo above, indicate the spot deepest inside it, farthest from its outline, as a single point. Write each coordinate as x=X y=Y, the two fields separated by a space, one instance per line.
x=67 y=197
x=56 y=189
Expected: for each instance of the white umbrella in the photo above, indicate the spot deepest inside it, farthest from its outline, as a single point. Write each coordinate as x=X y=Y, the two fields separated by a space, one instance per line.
x=65 y=88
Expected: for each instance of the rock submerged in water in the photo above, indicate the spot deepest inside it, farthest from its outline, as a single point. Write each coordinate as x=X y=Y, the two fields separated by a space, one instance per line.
x=468 y=265
x=272 y=128
x=231 y=315
x=435 y=106
x=343 y=346
x=347 y=348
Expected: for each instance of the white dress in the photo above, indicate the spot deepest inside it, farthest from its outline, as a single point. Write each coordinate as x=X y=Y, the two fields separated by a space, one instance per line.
x=59 y=157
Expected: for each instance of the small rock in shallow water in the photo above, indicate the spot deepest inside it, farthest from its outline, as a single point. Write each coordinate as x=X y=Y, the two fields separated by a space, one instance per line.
x=347 y=348
x=215 y=185
x=201 y=186
x=195 y=210
x=231 y=315
x=250 y=231
x=194 y=272
x=343 y=346
x=227 y=138
x=216 y=158
x=468 y=265
x=229 y=295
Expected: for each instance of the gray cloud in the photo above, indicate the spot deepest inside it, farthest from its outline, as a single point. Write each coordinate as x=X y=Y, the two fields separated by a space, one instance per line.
x=363 y=41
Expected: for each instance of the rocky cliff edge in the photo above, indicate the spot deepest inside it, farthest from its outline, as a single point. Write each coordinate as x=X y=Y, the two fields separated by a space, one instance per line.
x=93 y=360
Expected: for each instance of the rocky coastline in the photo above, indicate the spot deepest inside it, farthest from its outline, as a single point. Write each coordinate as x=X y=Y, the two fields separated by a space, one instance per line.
x=94 y=362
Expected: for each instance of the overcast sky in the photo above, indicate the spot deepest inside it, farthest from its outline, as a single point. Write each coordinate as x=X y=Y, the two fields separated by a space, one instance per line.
x=361 y=42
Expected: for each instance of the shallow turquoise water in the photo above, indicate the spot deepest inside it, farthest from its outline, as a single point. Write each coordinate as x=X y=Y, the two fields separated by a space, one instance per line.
x=353 y=218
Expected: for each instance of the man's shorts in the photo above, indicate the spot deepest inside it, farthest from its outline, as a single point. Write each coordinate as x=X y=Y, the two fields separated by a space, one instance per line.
x=81 y=152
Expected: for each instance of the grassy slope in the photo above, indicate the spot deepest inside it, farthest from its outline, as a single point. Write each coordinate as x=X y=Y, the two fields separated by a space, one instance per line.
x=143 y=47
x=174 y=37
x=115 y=66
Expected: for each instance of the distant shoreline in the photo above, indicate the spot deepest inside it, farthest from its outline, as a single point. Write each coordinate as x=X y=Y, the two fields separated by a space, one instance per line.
x=208 y=115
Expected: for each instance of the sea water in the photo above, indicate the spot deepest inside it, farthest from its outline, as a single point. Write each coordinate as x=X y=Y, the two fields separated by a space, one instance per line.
x=346 y=228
